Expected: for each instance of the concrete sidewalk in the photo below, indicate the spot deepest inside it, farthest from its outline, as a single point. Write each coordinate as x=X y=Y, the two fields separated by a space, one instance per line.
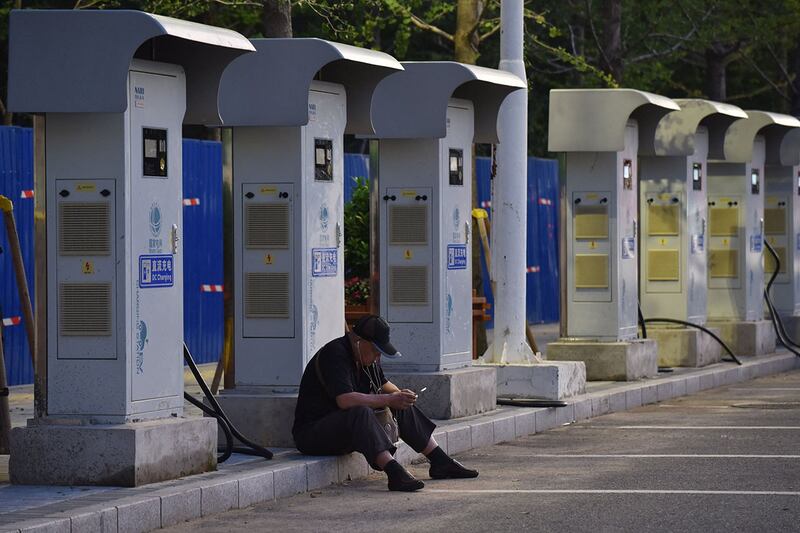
x=245 y=481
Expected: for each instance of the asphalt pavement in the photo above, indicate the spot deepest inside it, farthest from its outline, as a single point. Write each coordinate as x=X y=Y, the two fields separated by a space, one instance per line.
x=727 y=459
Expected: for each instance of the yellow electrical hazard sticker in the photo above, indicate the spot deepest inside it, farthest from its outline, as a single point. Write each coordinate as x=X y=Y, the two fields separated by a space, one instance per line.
x=85 y=187
x=269 y=190
x=88 y=267
x=407 y=254
x=725 y=242
x=592 y=245
x=409 y=194
x=268 y=259
x=663 y=242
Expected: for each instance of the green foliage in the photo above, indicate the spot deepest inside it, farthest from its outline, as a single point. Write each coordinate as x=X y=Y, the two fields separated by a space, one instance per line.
x=356 y=232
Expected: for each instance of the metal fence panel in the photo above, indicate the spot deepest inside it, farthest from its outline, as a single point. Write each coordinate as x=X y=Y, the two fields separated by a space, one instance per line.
x=542 y=290
x=16 y=183
x=202 y=249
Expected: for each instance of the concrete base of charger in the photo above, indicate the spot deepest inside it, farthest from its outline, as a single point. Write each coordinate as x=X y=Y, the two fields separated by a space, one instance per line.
x=122 y=455
x=609 y=361
x=451 y=393
x=682 y=346
x=550 y=380
x=752 y=337
x=265 y=418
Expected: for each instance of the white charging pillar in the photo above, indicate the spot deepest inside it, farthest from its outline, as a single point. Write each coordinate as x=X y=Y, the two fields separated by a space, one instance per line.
x=109 y=225
x=599 y=131
x=427 y=119
x=673 y=212
x=736 y=231
x=782 y=231
x=289 y=106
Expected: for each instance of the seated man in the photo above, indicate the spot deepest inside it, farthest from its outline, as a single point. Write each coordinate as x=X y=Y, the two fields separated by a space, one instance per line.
x=342 y=386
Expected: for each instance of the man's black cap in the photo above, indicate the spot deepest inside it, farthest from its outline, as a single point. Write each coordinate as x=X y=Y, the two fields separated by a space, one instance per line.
x=375 y=329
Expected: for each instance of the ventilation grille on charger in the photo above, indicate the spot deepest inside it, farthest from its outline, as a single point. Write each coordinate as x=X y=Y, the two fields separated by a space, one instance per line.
x=266 y=295
x=84 y=309
x=266 y=226
x=408 y=285
x=408 y=224
x=84 y=228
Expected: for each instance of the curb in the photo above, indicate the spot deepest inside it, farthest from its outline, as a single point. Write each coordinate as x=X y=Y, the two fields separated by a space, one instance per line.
x=244 y=485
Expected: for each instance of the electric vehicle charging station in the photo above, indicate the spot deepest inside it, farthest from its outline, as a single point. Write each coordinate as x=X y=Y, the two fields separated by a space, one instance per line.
x=737 y=226
x=289 y=106
x=600 y=133
x=112 y=87
x=426 y=119
x=782 y=231
x=673 y=210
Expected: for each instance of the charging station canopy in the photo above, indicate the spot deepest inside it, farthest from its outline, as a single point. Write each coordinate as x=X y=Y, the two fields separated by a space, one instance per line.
x=413 y=104
x=87 y=56
x=594 y=120
x=270 y=88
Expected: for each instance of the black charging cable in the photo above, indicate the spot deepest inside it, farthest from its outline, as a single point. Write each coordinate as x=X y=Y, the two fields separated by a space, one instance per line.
x=215 y=410
x=777 y=323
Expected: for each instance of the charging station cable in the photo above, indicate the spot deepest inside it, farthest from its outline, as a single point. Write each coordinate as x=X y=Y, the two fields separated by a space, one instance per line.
x=777 y=323
x=216 y=411
x=643 y=321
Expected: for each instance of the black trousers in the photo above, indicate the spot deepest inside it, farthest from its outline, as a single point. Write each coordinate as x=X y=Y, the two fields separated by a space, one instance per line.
x=358 y=430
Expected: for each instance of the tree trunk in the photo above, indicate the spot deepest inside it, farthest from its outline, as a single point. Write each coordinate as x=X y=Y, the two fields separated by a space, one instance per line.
x=716 y=82
x=277 y=18
x=612 y=37
x=794 y=71
x=465 y=38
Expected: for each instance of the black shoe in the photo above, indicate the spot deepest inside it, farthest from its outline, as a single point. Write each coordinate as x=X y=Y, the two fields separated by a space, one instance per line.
x=400 y=479
x=451 y=470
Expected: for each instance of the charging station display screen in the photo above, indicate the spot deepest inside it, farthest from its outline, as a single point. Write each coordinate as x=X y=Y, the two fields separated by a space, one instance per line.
x=697 y=177
x=323 y=160
x=456 y=167
x=754 y=184
x=627 y=175
x=154 y=156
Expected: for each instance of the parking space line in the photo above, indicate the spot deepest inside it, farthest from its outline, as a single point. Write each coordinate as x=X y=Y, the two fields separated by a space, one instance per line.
x=758 y=389
x=614 y=491
x=656 y=456
x=704 y=427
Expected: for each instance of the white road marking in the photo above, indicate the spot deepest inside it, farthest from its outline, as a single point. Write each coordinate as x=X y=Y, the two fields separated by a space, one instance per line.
x=614 y=491
x=759 y=389
x=703 y=427
x=657 y=456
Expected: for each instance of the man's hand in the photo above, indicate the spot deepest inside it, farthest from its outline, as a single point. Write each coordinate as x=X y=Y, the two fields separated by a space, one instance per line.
x=402 y=399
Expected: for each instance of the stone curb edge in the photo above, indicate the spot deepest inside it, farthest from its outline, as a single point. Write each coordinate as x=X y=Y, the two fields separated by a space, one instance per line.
x=242 y=486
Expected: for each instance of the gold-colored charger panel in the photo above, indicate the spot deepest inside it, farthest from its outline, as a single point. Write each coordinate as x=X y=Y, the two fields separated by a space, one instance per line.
x=663 y=220
x=723 y=263
x=663 y=265
x=775 y=221
x=591 y=271
x=769 y=262
x=724 y=221
x=591 y=222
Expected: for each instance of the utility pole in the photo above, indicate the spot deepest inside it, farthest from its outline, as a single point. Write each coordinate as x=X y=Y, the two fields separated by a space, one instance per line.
x=510 y=201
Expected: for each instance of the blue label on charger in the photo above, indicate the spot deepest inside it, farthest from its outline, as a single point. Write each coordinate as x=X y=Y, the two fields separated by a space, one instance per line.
x=755 y=243
x=324 y=262
x=456 y=257
x=156 y=271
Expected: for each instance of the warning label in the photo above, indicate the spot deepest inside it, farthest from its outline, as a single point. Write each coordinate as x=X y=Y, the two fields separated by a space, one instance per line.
x=156 y=271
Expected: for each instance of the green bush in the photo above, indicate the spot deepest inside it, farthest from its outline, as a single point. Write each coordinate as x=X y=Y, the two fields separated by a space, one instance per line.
x=356 y=232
